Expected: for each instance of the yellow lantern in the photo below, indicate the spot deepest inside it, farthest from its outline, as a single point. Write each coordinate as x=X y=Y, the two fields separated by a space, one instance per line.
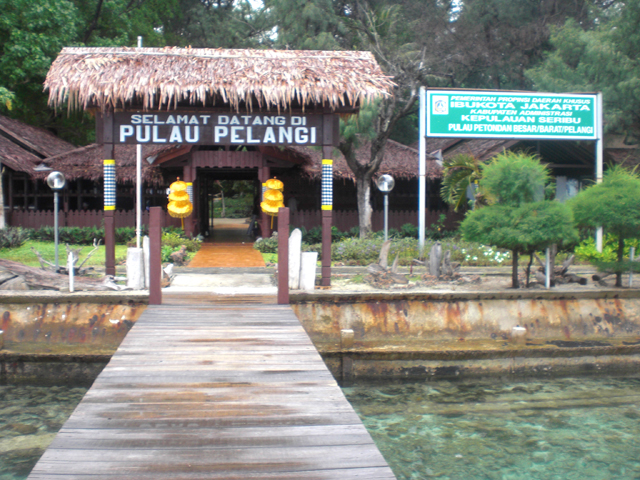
x=274 y=184
x=179 y=204
x=272 y=198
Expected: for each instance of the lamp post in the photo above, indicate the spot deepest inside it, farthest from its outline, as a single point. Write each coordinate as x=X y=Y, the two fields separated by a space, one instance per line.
x=56 y=182
x=385 y=185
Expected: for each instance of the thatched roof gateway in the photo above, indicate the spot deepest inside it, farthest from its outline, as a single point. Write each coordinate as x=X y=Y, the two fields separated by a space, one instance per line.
x=155 y=78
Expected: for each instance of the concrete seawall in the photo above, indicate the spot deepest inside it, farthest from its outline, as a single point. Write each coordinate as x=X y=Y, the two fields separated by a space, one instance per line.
x=49 y=336
x=472 y=333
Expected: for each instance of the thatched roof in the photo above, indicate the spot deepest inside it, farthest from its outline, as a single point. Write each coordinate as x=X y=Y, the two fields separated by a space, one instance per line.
x=242 y=79
x=16 y=157
x=38 y=141
x=87 y=163
x=399 y=161
x=22 y=146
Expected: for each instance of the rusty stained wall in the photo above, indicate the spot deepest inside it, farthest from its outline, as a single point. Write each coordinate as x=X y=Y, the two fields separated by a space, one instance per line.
x=401 y=320
x=68 y=323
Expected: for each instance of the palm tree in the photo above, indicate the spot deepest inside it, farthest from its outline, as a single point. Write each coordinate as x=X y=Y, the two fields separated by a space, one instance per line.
x=459 y=173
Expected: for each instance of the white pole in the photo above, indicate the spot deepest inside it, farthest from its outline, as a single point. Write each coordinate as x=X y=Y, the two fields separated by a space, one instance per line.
x=138 y=183
x=547 y=280
x=386 y=216
x=599 y=157
x=632 y=252
x=422 y=171
x=70 y=262
x=56 y=203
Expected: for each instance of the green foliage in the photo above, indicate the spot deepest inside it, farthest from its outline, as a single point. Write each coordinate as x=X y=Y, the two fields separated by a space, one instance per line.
x=459 y=172
x=6 y=99
x=603 y=58
x=267 y=245
x=12 y=237
x=514 y=178
x=587 y=251
x=240 y=206
x=70 y=235
x=518 y=222
x=175 y=241
x=409 y=230
x=613 y=204
x=307 y=25
x=527 y=228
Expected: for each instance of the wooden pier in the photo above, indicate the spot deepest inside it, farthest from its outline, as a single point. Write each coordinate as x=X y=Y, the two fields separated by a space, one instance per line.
x=225 y=391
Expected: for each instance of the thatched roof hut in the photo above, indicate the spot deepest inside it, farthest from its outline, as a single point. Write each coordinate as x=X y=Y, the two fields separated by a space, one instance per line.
x=22 y=146
x=399 y=161
x=87 y=163
x=154 y=78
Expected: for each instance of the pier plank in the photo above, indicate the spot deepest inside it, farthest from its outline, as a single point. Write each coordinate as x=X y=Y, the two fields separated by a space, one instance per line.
x=225 y=391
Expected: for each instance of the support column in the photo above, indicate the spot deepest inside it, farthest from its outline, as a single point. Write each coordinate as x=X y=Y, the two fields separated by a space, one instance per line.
x=327 y=213
x=109 y=210
x=155 y=256
x=283 y=256
x=189 y=221
x=263 y=175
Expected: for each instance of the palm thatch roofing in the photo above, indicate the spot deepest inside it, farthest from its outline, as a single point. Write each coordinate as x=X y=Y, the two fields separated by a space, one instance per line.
x=22 y=146
x=87 y=163
x=16 y=157
x=399 y=161
x=154 y=78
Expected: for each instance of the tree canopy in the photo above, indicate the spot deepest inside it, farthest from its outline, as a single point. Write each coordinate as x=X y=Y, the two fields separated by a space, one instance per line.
x=602 y=55
x=520 y=219
x=614 y=205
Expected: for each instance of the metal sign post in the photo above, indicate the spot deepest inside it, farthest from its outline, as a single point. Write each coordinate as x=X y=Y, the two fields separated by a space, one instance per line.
x=422 y=173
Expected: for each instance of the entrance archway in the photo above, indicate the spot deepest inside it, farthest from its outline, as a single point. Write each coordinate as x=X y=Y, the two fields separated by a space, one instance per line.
x=216 y=97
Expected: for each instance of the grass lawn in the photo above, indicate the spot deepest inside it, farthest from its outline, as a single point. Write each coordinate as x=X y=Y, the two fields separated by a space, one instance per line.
x=25 y=256
x=270 y=258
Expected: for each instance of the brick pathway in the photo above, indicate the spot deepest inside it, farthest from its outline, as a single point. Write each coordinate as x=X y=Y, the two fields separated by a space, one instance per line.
x=229 y=247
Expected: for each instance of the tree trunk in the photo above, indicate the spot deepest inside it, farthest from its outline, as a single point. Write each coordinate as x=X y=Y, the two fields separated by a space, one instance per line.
x=620 y=259
x=529 y=268
x=514 y=269
x=2 y=224
x=363 y=186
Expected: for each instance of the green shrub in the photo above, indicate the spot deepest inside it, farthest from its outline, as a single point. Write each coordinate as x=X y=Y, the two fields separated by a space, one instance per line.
x=267 y=245
x=586 y=250
x=409 y=230
x=12 y=237
x=70 y=235
x=175 y=241
x=313 y=236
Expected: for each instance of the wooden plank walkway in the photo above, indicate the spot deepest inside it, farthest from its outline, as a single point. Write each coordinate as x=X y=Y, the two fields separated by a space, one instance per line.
x=231 y=391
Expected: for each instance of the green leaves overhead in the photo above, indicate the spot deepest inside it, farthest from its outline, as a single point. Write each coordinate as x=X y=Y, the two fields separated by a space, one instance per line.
x=605 y=58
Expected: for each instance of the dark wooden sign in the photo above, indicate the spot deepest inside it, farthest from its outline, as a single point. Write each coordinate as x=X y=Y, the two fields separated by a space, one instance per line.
x=163 y=128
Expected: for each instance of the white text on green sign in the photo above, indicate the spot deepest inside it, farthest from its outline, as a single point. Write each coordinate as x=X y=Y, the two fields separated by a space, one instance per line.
x=495 y=114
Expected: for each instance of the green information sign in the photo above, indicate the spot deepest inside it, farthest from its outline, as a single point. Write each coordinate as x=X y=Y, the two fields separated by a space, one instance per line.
x=500 y=114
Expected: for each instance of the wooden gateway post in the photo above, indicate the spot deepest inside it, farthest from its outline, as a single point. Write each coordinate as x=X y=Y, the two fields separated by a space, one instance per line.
x=216 y=97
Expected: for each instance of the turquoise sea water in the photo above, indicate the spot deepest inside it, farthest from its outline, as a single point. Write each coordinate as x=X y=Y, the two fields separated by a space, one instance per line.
x=30 y=416
x=551 y=429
